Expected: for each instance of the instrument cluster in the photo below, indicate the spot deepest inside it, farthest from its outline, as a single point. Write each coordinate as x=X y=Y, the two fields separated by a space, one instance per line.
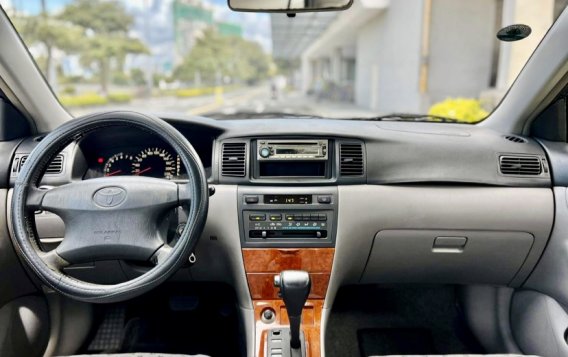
x=152 y=161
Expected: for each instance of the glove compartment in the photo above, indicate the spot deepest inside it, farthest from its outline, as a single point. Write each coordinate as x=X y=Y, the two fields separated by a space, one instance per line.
x=446 y=256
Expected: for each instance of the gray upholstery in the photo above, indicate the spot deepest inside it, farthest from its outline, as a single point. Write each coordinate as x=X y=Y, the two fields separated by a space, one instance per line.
x=139 y=354
x=24 y=327
x=468 y=355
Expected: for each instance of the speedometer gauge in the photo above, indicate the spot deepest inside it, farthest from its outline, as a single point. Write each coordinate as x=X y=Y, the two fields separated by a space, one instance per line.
x=155 y=162
x=118 y=164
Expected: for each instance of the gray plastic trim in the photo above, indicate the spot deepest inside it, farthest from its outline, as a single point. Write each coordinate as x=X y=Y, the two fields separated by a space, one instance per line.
x=539 y=324
x=551 y=274
x=486 y=311
x=365 y=210
x=557 y=153
x=218 y=252
x=536 y=85
x=21 y=75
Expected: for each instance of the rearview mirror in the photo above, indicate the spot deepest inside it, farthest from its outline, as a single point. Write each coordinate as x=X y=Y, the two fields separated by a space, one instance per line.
x=289 y=6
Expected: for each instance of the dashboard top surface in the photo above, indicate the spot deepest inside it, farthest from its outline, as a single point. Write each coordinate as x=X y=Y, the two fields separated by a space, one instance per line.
x=395 y=152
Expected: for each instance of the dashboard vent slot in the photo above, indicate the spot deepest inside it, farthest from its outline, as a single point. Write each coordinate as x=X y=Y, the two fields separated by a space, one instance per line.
x=520 y=165
x=55 y=166
x=22 y=162
x=351 y=161
x=234 y=160
x=515 y=139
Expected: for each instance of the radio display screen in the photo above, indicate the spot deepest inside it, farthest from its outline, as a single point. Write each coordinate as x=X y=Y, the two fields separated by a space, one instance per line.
x=292 y=151
x=288 y=199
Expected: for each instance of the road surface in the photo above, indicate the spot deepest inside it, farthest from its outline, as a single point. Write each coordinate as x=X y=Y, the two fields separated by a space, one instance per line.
x=250 y=99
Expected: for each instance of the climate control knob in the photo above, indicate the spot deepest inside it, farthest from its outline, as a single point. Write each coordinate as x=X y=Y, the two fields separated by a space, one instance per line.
x=264 y=152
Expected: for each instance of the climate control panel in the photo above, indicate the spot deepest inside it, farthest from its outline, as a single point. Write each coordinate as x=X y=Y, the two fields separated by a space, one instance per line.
x=288 y=224
x=280 y=217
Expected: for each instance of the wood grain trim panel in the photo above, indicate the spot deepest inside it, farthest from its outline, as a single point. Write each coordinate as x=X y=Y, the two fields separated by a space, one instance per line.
x=274 y=260
x=261 y=286
x=262 y=264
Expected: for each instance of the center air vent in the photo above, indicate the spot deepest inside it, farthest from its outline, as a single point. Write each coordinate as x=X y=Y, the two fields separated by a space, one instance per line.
x=351 y=161
x=233 y=161
x=520 y=165
x=55 y=166
x=515 y=139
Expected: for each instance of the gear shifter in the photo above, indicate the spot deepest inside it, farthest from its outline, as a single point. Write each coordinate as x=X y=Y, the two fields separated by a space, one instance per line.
x=294 y=288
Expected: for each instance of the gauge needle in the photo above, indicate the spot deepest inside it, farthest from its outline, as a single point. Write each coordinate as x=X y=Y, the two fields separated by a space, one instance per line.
x=114 y=172
x=145 y=170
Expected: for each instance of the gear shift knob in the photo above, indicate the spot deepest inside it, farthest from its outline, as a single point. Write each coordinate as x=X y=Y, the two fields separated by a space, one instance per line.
x=294 y=287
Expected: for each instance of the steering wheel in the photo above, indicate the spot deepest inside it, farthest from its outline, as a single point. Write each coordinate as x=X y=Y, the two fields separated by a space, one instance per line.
x=111 y=217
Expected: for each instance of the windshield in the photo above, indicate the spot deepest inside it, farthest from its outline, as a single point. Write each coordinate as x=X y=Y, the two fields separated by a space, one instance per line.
x=197 y=57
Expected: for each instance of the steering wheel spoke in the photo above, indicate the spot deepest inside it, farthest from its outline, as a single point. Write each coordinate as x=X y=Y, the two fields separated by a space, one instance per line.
x=54 y=260
x=161 y=254
x=184 y=193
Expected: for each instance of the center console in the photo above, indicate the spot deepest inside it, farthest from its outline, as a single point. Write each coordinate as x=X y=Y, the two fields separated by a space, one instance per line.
x=287 y=221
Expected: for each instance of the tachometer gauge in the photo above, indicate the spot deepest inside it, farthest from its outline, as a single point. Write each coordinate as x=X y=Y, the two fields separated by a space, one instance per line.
x=155 y=162
x=118 y=164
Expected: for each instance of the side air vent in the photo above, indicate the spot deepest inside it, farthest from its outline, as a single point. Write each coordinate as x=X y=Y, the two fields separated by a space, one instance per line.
x=55 y=166
x=351 y=161
x=515 y=139
x=233 y=161
x=520 y=165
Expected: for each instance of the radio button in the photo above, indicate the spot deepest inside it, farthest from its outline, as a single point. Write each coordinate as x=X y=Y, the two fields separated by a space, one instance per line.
x=324 y=199
x=264 y=152
x=251 y=199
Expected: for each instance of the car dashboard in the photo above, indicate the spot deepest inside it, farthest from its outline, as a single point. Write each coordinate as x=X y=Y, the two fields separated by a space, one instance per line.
x=348 y=201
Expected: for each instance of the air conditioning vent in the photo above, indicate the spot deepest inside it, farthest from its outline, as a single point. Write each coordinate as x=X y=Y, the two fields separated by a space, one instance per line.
x=233 y=161
x=515 y=139
x=22 y=162
x=351 y=161
x=520 y=165
x=55 y=166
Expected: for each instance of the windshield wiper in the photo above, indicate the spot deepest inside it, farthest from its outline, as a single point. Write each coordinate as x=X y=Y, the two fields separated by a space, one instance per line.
x=412 y=117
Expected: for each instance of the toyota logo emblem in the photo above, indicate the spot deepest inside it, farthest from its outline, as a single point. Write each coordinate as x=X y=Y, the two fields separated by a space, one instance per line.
x=109 y=196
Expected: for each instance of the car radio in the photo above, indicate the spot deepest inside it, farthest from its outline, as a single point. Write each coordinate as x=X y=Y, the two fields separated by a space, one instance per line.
x=292 y=150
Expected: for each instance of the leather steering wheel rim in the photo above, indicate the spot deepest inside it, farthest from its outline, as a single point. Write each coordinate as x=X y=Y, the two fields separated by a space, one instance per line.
x=134 y=201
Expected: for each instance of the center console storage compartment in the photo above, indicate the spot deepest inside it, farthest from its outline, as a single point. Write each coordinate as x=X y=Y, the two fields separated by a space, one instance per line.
x=446 y=256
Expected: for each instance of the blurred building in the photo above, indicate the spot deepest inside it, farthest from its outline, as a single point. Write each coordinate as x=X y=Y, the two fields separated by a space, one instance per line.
x=191 y=18
x=401 y=55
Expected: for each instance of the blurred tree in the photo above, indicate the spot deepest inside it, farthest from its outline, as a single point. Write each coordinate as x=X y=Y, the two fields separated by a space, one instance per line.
x=138 y=77
x=215 y=56
x=106 y=25
x=52 y=34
